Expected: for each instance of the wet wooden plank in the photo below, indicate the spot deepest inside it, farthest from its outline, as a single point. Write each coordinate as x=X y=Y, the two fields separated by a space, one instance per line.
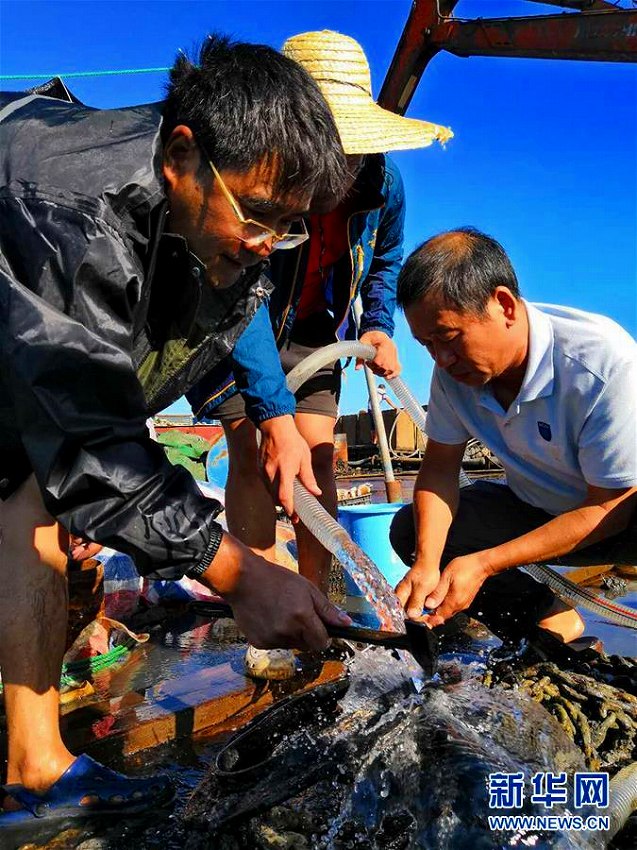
x=209 y=702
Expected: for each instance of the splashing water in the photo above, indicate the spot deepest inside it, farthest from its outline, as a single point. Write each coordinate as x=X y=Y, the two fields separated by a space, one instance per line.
x=362 y=569
x=395 y=770
x=422 y=780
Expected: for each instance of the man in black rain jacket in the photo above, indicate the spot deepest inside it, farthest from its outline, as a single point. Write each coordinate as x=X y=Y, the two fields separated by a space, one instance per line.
x=131 y=249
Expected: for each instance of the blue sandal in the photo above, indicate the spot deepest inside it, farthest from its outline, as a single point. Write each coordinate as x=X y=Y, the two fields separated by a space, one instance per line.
x=87 y=789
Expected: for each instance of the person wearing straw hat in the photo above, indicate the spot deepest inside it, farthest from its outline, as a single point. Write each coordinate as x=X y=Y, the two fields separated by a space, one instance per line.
x=355 y=248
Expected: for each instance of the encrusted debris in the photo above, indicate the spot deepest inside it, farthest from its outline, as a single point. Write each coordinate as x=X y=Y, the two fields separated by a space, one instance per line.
x=600 y=717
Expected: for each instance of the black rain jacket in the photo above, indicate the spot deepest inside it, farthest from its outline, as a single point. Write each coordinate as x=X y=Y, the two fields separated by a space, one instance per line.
x=104 y=320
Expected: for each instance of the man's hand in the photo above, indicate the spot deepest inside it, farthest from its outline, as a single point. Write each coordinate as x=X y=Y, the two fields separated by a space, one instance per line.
x=385 y=363
x=458 y=586
x=414 y=589
x=284 y=455
x=80 y=549
x=274 y=607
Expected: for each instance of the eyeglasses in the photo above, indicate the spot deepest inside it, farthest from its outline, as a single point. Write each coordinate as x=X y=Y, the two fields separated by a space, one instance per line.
x=262 y=233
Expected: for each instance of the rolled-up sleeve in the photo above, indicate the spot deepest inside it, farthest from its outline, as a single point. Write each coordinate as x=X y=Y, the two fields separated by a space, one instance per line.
x=258 y=372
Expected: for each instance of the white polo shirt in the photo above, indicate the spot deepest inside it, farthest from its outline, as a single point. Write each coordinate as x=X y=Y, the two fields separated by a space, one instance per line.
x=574 y=421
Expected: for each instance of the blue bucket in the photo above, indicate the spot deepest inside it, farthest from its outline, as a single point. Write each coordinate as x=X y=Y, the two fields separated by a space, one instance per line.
x=217 y=463
x=368 y=526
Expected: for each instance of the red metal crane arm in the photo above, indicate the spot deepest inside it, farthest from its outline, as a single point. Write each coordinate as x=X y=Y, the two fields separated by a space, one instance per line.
x=601 y=36
x=413 y=53
x=608 y=36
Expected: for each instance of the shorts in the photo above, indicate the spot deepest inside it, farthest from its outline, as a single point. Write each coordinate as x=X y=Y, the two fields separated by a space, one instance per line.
x=318 y=395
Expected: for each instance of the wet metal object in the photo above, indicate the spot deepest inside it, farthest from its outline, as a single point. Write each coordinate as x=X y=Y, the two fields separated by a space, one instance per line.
x=418 y=639
x=421 y=641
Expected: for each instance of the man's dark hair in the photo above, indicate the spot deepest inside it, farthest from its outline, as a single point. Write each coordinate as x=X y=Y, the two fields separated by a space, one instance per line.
x=247 y=103
x=462 y=267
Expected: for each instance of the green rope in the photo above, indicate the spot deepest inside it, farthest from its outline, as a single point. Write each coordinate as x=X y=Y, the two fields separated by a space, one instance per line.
x=75 y=671
x=83 y=74
x=95 y=662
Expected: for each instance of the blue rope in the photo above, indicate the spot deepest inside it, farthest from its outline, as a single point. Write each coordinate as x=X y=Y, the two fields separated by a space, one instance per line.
x=83 y=74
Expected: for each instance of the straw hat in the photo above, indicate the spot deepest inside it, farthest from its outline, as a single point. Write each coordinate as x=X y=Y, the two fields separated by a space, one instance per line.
x=340 y=67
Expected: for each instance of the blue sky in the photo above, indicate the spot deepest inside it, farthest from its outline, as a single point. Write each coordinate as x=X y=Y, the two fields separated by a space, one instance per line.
x=544 y=157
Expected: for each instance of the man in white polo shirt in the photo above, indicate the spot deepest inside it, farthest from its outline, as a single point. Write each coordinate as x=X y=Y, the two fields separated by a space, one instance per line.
x=552 y=391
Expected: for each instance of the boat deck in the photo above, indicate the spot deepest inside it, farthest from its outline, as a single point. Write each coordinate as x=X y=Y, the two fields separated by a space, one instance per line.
x=183 y=683
x=169 y=706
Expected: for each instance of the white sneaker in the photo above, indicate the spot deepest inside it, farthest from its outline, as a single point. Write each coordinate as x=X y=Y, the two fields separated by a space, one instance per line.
x=273 y=664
